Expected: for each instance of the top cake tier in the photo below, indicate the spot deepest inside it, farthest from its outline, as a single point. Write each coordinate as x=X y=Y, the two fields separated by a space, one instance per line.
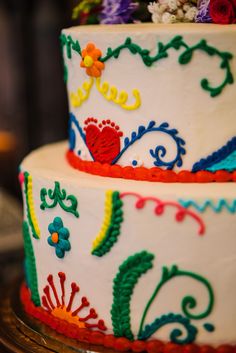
x=161 y=97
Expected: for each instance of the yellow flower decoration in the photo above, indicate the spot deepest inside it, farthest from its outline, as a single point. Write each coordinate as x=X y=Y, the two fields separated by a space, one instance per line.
x=90 y=60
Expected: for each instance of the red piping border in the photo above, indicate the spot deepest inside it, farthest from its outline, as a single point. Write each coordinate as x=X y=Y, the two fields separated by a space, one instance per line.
x=119 y=344
x=154 y=174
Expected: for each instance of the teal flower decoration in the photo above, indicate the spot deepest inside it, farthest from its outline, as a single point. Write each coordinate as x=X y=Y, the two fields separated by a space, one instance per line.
x=59 y=237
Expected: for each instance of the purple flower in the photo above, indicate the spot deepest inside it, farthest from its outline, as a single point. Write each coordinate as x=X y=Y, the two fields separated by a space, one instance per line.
x=203 y=15
x=117 y=11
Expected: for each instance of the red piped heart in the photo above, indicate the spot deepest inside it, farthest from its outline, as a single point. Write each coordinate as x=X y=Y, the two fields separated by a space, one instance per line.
x=102 y=140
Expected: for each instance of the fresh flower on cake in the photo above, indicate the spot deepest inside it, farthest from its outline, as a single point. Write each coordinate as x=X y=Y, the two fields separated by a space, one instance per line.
x=159 y=11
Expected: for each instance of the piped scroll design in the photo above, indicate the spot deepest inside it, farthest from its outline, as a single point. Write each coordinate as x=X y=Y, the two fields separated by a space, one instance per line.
x=175 y=43
x=59 y=196
x=109 y=92
x=114 y=215
x=158 y=153
x=124 y=284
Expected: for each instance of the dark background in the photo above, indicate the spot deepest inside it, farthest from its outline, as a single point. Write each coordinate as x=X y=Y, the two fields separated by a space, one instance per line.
x=33 y=104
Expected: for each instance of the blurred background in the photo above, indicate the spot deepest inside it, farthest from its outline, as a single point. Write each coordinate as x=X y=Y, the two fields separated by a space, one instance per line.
x=33 y=105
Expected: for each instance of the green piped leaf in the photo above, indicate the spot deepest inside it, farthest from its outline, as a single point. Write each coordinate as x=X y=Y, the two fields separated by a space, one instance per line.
x=30 y=265
x=113 y=230
x=126 y=279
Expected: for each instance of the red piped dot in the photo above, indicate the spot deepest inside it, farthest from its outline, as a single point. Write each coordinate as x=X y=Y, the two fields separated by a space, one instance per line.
x=155 y=347
x=138 y=346
x=207 y=349
x=226 y=349
x=96 y=338
x=122 y=344
x=109 y=341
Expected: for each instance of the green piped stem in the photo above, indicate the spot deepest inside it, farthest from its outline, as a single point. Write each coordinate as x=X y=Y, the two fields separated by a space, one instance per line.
x=30 y=265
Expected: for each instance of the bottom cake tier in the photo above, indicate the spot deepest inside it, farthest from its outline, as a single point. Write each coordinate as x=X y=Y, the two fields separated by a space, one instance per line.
x=128 y=264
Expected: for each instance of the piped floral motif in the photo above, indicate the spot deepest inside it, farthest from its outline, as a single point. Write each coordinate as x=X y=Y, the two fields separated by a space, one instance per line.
x=58 y=307
x=59 y=237
x=104 y=144
x=163 y=49
x=90 y=60
x=102 y=139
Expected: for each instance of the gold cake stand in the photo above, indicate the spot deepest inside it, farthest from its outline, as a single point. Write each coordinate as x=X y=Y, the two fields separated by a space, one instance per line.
x=19 y=333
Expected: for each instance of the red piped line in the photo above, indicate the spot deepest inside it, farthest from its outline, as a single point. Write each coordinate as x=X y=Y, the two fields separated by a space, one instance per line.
x=154 y=174
x=45 y=303
x=84 y=303
x=47 y=292
x=62 y=277
x=74 y=290
x=51 y=283
x=110 y=341
x=160 y=208
x=92 y=315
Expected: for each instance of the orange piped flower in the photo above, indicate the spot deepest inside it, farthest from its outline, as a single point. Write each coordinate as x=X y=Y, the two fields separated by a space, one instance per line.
x=90 y=60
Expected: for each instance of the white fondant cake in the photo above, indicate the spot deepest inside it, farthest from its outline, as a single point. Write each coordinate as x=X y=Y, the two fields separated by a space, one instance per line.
x=193 y=230
x=168 y=89
x=128 y=264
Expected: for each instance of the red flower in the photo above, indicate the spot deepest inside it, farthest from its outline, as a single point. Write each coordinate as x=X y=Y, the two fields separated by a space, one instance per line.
x=223 y=11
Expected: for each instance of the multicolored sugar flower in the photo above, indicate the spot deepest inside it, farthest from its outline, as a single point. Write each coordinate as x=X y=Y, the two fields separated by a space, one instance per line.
x=90 y=60
x=59 y=237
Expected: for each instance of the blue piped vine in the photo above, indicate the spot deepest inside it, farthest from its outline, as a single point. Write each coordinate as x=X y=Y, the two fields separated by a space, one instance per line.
x=218 y=157
x=157 y=154
x=160 y=151
x=216 y=207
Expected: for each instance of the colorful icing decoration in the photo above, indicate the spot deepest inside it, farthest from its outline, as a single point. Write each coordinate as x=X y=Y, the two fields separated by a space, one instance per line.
x=30 y=265
x=162 y=52
x=123 y=286
x=113 y=217
x=160 y=151
x=223 y=159
x=58 y=197
x=110 y=229
x=91 y=60
x=110 y=93
x=217 y=206
x=70 y=44
x=109 y=340
x=59 y=237
x=176 y=43
x=154 y=174
x=188 y=302
x=31 y=215
x=162 y=205
x=82 y=94
x=103 y=141
x=58 y=308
